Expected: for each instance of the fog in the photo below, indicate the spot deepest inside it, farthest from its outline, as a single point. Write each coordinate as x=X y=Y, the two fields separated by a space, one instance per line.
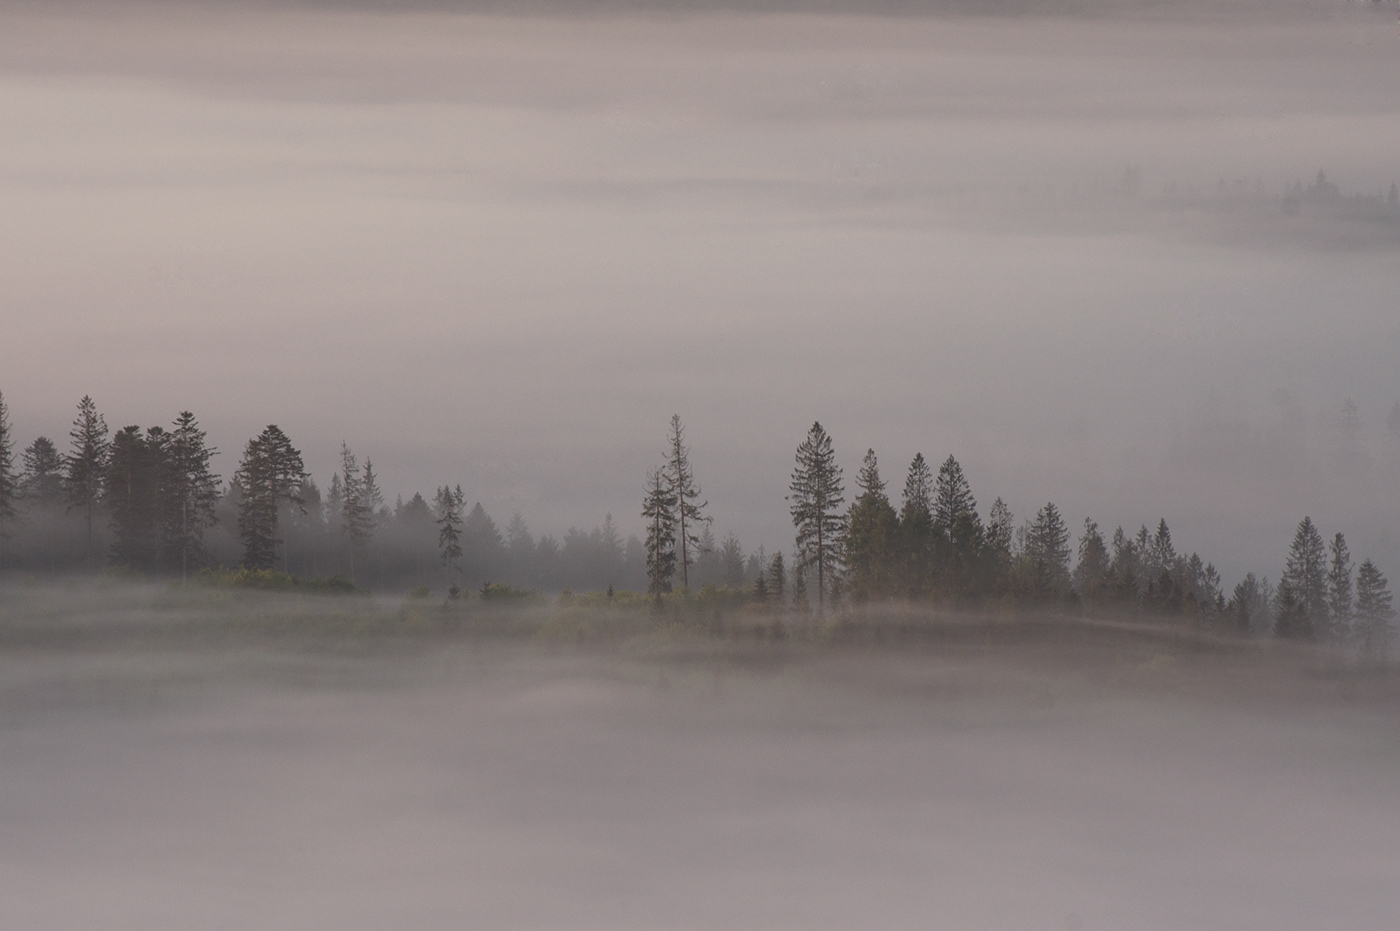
x=172 y=760
x=502 y=244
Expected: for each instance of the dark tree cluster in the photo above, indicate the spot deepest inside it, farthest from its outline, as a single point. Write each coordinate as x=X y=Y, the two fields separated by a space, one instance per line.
x=934 y=547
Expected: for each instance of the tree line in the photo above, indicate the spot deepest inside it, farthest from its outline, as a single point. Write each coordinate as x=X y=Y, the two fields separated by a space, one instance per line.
x=935 y=547
x=148 y=500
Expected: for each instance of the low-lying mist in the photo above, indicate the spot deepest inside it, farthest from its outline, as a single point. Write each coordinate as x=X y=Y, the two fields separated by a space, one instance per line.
x=175 y=758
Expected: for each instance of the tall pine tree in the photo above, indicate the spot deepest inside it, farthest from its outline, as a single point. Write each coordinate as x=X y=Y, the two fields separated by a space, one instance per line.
x=916 y=531
x=85 y=464
x=659 y=511
x=688 y=505
x=1373 y=611
x=872 y=529
x=9 y=481
x=191 y=495
x=1305 y=574
x=1339 y=590
x=269 y=476
x=815 y=501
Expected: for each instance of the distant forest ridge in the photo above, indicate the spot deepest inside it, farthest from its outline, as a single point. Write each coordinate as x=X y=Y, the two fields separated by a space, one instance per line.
x=148 y=501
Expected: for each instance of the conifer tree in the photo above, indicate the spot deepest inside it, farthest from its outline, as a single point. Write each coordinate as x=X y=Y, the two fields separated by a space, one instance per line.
x=997 y=543
x=952 y=496
x=9 y=481
x=1248 y=605
x=1091 y=574
x=872 y=529
x=1306 y=574
x=191 y=495
x=688 y=504
x=659 y=511
x=1047 y=552
x=1291 y=620
x=448 y=505
x=85 y=465
x=43 y=473
x=269 y=476
x=1373 y=610
x=356 y=511
x=815 y=500
x=916 y=532
x=133 y=487
x=777 y=580
x=1339 y=590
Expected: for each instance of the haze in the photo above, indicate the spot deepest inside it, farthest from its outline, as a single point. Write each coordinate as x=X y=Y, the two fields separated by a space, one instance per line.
x=502 y=246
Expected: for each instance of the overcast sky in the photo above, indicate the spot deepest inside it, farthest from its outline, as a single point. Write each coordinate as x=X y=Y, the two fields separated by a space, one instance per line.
x=502 y=250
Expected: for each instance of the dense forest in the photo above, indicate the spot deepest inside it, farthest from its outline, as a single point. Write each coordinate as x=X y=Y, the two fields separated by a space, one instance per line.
x=148 y=502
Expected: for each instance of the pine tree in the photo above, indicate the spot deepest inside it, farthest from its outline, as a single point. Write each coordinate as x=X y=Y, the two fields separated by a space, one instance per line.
x=1291 y=620
x=191 y=495
x=659 y=511
x=1091 y=575
x=815 y=501
x=1339 y=590
x=951 y=496
x=269 y=476
x=85 y=465
x=777 y=580
x=916 y=533
x=356 y=512
x=448 y=505
x=996 y=550
x=1248 y=605
x=1373 y=610
x=134 y=486
x=482 y=547
x=9 y=481
x=687 y=494
x=1047 y=553
x=520 y=548
x=872 y=529
x=1306 y=574
x=43 y=473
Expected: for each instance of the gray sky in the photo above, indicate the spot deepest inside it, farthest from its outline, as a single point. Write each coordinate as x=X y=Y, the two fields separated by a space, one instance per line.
x=503 y=249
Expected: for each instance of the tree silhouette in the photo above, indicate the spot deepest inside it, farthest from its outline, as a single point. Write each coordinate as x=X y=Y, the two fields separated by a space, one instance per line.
x=687 y=495
x=815 y=500
x=85 y=465
x=269 y=475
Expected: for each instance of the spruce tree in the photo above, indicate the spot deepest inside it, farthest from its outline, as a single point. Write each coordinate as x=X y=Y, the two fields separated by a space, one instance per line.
x=356 y=513
x=814 y=502
x=777 y=580
x=43 y=473
x=952 y=496
x=872 y=529
x=1306 y=575
x=9 y=481
x=448 y=505
x=133 y=486
x=191 y=494
x=85 y=464
x=659 y=511
x=916 y=533
x=687 y=494
x=1339 y=590
x=1091 y=575
x=269 y=476
x=996 y=549
x=1373 y=611
x=1291 y=619
x=1047 y=552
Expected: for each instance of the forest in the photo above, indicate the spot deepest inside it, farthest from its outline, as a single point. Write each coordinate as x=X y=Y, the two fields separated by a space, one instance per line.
x=147 y=502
